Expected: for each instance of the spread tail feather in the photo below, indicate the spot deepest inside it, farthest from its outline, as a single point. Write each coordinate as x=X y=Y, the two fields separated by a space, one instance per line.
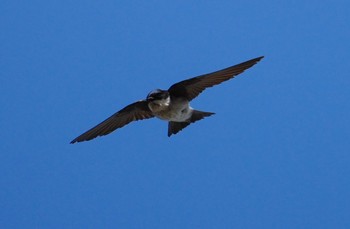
x=175 y=127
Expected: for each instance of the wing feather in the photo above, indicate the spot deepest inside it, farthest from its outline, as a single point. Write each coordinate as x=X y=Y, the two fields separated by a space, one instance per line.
x=133 y=112
x=191 y=88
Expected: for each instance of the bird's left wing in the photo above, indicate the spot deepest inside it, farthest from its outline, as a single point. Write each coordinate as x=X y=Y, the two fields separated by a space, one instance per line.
x=191 y=88
x=133 y=112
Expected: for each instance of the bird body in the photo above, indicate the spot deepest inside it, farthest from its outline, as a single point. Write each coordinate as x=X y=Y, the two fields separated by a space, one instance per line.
x=172 y=105
x=171 y=109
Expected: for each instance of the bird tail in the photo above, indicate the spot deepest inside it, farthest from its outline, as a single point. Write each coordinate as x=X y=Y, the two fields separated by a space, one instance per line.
x=175 y=127
x=198 y=115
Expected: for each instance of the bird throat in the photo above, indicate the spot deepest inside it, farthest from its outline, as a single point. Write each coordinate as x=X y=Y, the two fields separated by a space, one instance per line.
x=178 y=110
x=159 y=105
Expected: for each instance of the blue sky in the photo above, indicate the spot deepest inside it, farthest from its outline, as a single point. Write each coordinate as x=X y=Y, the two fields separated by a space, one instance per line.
x=275 y=155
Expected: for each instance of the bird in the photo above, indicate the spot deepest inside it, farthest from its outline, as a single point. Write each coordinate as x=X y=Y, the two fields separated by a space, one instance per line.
x=172 y=105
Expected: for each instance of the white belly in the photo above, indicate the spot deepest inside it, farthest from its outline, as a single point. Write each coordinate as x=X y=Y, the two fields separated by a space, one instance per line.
x=177 y=111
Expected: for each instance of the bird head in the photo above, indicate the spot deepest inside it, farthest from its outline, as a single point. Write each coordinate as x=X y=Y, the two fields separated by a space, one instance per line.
x=157 y=95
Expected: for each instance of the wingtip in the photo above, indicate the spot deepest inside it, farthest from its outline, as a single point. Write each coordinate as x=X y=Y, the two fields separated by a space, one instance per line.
x=259 y=58
x=75 y=140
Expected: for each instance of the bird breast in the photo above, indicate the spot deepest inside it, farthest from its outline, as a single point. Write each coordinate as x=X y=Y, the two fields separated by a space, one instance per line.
x=177 y=110
x=159 y=105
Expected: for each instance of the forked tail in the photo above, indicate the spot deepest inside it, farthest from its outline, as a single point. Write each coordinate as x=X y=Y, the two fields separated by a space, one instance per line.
x=175 y=127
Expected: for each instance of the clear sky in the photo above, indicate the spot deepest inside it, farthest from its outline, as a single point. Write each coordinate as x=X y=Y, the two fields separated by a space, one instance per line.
x=275 y=155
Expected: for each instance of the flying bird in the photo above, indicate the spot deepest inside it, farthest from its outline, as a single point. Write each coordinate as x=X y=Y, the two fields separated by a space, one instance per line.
x=172 y=105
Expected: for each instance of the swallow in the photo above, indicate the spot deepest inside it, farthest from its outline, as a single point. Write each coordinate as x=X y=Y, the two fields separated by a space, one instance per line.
x=172 y=105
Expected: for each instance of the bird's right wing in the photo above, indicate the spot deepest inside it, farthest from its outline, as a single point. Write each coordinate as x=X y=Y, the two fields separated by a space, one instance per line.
x=133 y=112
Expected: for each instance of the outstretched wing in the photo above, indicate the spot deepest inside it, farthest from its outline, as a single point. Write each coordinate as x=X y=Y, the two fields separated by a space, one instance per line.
x=191 y=88
x=133 y=112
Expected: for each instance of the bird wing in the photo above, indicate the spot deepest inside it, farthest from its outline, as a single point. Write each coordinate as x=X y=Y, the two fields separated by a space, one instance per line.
x=191 y=88
x=133 y=112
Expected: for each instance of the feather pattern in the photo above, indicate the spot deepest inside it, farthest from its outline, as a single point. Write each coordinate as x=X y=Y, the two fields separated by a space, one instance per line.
x=133 y=112
x=191 y=88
